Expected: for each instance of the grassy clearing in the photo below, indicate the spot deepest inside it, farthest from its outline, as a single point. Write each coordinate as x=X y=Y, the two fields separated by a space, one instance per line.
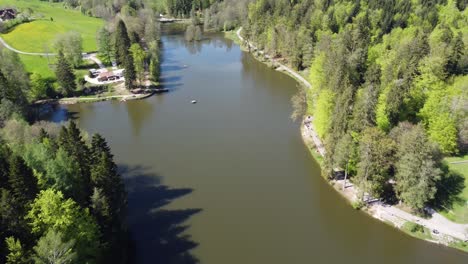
x=39 y=35
x=35 y=36
x=38 y=64
x=459 y=207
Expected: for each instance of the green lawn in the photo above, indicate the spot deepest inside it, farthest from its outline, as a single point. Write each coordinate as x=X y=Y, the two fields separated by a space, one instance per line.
x=38 y=64
x=459 y=210
x=37 y=35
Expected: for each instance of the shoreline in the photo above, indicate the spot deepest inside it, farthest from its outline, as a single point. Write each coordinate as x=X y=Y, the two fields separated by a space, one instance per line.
x=440 y=228
x=77 y=100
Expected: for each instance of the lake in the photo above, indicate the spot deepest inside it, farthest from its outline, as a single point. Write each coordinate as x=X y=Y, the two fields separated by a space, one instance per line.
x=228 y=180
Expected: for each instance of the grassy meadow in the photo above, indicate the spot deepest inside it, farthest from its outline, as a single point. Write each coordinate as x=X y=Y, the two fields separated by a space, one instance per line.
x=40 y=34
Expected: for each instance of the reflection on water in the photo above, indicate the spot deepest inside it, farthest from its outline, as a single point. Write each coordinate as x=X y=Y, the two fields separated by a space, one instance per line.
x=139 y=113
x=228 y=180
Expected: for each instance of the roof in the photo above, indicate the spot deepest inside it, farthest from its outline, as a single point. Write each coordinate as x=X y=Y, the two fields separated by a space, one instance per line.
x=7 y=13
x=107 y=74
x=7 y=10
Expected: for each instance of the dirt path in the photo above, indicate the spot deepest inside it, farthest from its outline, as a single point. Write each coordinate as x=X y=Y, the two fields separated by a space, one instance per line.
x=6 y=45
x=308 y=130
x=281 y=67
x=123 y=98
x=3 y=42
x=93 y=57
x=436 y=222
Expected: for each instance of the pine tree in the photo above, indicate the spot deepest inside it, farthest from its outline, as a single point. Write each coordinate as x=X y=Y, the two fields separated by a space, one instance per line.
x=99 y=145
x=155 y=69
x=416 y=169
x=22 y=182
x=100 y=209
x=51 y=248
x=129 y=73
x=3 y=86
x=104 y=176
x=71 y=141
x=457 y=51
x=122 y=43
x=65 y=75
x=23 y=190
x=104 y=42
x=4 y=165
x=108 y=201
x=123 y=55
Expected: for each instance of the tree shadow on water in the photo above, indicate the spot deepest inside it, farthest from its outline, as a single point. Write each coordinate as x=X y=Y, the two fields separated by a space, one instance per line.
x=158 y=234
x=52 y=112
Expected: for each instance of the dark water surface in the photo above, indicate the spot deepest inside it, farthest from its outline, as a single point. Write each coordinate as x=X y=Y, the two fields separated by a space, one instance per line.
x=228 y=180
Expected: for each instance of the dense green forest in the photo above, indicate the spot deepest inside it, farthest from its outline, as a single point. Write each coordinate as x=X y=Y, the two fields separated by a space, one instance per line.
x=110 y=8
x=389 y=99
x=389 y=80
x=61 y=197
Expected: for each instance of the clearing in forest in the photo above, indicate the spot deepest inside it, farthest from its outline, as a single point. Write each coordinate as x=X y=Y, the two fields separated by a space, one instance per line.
x=50 y=20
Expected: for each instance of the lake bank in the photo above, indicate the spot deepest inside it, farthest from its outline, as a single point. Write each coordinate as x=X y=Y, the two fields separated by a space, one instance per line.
x=442 y=230
x=229 y=179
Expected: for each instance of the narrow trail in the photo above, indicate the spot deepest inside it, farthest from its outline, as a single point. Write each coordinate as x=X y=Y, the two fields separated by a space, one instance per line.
x=281 y=66
x=378 y=210
x=6 y=45
x=94 y=58
x=3 y=42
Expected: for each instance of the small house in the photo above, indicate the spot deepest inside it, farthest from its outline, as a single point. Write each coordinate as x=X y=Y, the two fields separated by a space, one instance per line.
x=7 y=14
x=108 y=76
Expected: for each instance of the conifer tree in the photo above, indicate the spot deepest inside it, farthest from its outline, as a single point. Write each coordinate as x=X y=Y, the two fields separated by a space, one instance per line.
x=4 y=166
x=416 y=169
x=123 y=55
x=129 y=73
x=457 y=51
x=71 y=141
x=65 y=75
x=99 y=145
x=22 y=182
x=104 y=176
x=122 y=42
x=3 y=86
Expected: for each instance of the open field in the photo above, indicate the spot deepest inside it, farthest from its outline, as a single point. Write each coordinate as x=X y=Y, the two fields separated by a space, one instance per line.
x=459 y=210
x=38 y=64
x=39 y=35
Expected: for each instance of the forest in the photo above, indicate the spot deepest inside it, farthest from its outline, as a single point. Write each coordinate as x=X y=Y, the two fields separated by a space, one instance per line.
x=62 y=199
x=388 y=98
x=389 y=83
